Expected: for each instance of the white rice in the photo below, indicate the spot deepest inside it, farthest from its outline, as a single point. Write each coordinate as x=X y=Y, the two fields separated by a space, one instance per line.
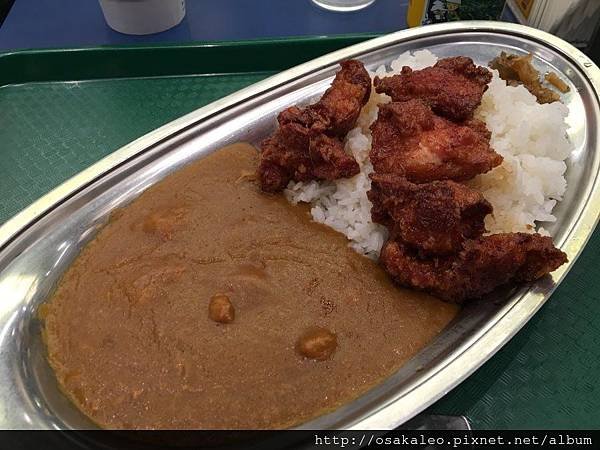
x=531 y=137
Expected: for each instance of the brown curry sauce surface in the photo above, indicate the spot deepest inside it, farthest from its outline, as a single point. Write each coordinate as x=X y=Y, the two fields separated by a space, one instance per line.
x=128 y=328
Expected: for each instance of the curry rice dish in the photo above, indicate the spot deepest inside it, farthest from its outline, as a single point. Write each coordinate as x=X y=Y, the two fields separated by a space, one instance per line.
x=239 y=312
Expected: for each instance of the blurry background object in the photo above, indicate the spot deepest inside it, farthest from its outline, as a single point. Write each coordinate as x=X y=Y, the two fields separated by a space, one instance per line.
x=142 y=16
x=342 y=5
x=4 y=8
x=40 y=24
x=575 y=21
x=423 y=12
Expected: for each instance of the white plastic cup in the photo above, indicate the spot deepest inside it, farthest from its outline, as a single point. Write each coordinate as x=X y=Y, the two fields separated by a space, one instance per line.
x=142 y=16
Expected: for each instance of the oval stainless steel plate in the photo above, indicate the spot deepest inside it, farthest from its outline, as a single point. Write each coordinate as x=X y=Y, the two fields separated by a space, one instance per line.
x=38 y=244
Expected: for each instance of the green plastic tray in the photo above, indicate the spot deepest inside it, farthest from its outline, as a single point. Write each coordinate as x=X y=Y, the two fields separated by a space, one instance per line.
x=62 y=110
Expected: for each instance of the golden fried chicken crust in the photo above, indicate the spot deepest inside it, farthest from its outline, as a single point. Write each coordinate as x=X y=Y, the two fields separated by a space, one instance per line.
x=433 y=218
x=308 y=143
x=410 y=140
x=342 y=102
x=329 y=159
x=483 y=265
x=423 y=143
x=291 y=153
x=453 y=87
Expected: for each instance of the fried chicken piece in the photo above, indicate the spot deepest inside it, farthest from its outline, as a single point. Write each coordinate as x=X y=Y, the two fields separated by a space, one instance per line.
x=308 y=144
x=483 y=265
x=453 y=87
x=307 y=118
x=464 y=66
x=291 y=153
x=434 y=218
x=410 y=140
x=338 y=109
x=329 y=159
x=284 y=156
x=342 y=102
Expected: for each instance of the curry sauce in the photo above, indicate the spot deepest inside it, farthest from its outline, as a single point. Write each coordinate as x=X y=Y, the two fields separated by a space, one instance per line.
x=208 y=304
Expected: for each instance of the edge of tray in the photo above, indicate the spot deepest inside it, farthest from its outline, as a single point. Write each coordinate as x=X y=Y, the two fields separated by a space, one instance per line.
x=134 y=61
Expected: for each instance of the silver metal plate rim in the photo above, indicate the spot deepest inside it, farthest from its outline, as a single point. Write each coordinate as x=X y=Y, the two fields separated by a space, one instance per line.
x=475 y=351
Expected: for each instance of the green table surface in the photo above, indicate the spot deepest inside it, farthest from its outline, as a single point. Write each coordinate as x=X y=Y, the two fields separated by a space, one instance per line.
x=61 y=111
